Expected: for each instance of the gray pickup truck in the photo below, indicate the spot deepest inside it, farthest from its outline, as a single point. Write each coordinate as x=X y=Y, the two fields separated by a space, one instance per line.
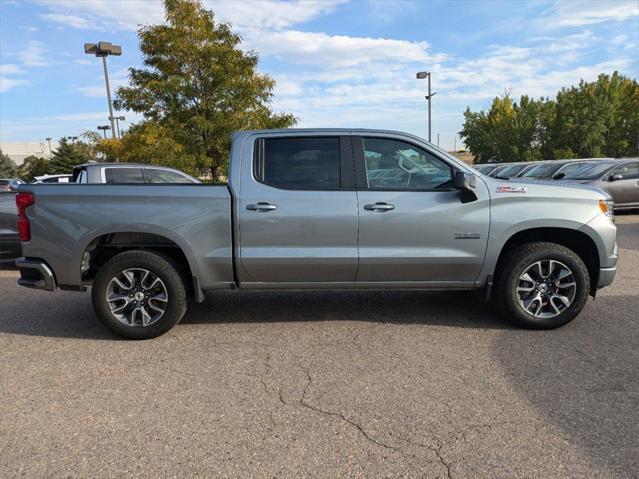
x=320 y=209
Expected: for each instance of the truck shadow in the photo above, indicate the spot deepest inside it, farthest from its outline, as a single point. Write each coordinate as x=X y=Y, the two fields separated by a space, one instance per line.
x=456 y=309
x=583 y=380
x=41 y=314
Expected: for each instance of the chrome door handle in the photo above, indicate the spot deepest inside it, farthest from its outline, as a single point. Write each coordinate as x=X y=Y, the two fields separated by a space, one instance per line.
x=379 y=206
x=261 y=206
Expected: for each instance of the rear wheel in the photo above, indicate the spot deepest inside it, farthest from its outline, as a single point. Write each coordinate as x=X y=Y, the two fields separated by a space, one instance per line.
x=541 y=285
x=139 y=295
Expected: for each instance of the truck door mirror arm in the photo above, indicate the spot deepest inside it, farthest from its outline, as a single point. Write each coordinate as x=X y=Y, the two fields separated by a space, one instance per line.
x=465 y=182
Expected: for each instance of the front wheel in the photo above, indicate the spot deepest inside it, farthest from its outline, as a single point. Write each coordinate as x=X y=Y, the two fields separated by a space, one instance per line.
x=139 y=295
x=541 y=285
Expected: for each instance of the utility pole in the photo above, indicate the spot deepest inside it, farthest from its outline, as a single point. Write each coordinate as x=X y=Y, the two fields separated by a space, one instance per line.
x=103 y=50
x=118 y=119
x=104 y=129
x=421 y=76
x=49 y=141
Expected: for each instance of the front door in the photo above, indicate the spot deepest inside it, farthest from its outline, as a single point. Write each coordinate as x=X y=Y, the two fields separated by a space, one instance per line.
x=298 y=211
x=414 y=226
x=625 y=190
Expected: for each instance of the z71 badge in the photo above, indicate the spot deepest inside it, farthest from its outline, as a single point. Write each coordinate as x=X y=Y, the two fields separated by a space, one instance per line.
x=511 y=189
x=469 y=236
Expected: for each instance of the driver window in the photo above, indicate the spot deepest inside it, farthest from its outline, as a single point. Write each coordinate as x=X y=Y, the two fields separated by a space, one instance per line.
x=392 y=164
x=629 y=171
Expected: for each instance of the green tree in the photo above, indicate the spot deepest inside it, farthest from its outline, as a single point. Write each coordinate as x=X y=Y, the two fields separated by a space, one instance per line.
x=8 y=168
x=68 y=155
x=592 y=119
x=197 y=87
x=33 y=166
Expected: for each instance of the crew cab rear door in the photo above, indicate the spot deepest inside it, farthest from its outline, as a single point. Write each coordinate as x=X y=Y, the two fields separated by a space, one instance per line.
x=414 y=227
x=297 y=210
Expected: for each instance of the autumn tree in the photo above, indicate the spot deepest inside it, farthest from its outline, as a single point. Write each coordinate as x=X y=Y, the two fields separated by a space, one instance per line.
x=196 y=87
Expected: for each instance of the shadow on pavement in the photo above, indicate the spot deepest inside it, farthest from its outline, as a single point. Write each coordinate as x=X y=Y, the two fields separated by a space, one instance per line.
x=457 y=309
x=583 y=379
x=44 y=314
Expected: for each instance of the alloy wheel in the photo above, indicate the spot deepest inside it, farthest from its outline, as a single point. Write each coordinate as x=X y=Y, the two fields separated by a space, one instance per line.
x=137 y=297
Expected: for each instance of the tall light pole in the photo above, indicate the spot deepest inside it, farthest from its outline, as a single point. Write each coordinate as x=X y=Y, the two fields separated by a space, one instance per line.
x=49 y=141
x=104 y=129
x=118 y=119
x=103 y=50
x=421 y=76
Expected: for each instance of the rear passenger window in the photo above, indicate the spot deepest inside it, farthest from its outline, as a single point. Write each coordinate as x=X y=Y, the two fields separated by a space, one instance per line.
x=165 y=176
x=299 y=163
x=123 y=175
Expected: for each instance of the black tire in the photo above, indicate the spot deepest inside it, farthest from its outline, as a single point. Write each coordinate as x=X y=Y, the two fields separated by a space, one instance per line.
x=513 y=265
x=162 y=268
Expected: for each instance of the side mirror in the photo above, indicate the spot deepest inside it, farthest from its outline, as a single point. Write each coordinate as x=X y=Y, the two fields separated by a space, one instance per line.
x=465 y=183
x=616 y=177
x=559 y=176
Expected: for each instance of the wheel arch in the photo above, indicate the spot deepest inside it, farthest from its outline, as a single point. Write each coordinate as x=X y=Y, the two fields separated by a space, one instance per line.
x=105 y=244
x=578 y=241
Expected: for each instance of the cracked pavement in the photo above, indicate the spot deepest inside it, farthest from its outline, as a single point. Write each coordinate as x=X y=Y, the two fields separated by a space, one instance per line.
x=323 y=384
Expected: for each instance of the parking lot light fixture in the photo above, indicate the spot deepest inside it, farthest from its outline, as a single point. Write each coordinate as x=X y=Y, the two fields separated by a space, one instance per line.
x=118 y=119
x=103 y=50
x=104 y=129
x=422 y=76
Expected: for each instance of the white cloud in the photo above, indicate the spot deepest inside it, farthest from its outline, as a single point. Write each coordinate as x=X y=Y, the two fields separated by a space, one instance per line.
x=338 y=50
x=129 y=14
x=73 y=21
x=7 y=83
x=10 y=69
x=579 y=13
x=117 y=79
x=33 y=55
x=270 y=14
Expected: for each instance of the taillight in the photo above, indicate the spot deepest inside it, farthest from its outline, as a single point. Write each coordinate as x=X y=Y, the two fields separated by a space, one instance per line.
x=23 y=201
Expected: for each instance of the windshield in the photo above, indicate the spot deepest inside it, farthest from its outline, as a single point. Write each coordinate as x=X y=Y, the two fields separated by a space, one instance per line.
x=542 y=171
x=589 y=171
x=508 y=171
x=485 y=169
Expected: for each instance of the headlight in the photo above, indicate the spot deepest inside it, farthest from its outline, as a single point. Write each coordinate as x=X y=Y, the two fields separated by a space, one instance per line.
x=607 y=207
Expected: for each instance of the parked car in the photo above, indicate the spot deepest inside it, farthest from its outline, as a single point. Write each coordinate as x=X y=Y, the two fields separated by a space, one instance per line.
x=509 y=170
x=128 y=173
x=619 y=178
x=10 y=184
x=300 y=211
x=53 y=179
x=486 y=168
x=10 y=247
x=554 y=170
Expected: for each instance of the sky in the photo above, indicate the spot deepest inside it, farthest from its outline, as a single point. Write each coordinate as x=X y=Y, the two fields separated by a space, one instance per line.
x=337 y=63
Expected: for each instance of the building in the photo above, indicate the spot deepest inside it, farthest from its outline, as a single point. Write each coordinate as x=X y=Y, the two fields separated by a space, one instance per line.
x=19 y=150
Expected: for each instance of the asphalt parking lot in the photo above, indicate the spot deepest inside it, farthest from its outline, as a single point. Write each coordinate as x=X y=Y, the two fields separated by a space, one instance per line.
x=330 y=384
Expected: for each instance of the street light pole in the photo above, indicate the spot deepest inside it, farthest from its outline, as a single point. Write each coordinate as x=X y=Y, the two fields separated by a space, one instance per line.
x=104 y=129
x=103 y=50
x=421 y=76
x=108 y=90
x=49 y=141
x=118 y=119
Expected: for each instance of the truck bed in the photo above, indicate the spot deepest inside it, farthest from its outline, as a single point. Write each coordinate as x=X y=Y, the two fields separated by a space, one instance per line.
x=67 y=218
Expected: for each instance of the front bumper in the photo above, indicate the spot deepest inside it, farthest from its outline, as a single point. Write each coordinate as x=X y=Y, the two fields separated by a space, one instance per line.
x=606 y=277
x=35 y=274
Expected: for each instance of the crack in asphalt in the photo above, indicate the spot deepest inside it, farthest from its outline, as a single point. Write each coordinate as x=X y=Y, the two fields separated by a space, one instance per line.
x=305 y=403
